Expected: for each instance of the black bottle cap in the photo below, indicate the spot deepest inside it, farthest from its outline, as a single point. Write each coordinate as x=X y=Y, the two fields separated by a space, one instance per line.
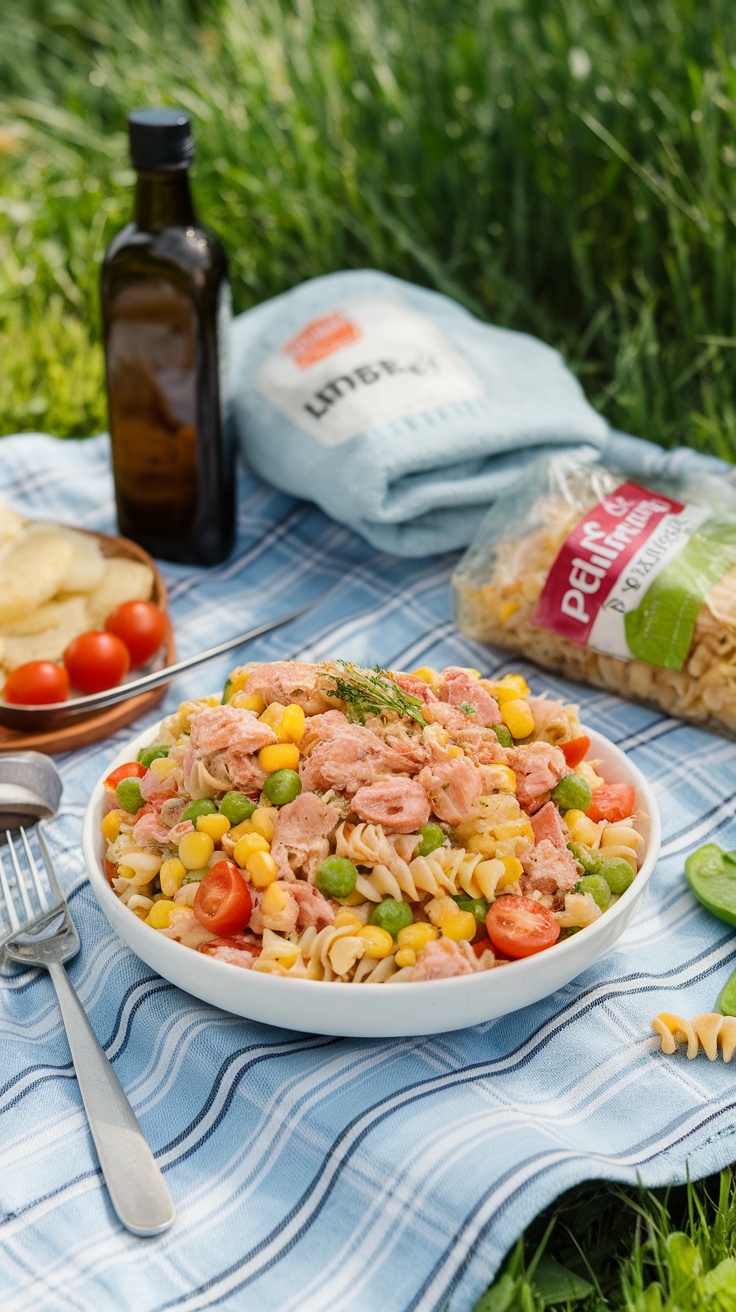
x=160 y=139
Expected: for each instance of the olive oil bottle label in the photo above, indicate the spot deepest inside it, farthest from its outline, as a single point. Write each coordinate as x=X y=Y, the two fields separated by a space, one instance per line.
x=368 y=361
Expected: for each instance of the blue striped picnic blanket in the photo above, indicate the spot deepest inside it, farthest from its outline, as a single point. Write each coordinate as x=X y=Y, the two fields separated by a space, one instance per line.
x=312 y=1173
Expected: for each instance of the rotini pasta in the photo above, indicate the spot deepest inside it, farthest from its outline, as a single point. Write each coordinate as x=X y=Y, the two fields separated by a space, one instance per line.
x=711 y=1031
x=349 y=826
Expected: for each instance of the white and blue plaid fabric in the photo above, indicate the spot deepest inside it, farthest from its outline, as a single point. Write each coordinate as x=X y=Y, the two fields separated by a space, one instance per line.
x=317 y=1174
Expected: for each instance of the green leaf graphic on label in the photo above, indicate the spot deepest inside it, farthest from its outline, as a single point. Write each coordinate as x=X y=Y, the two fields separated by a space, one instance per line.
x=660 y=629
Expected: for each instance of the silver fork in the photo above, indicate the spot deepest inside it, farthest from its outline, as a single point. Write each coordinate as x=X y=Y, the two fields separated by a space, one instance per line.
x=43 y=934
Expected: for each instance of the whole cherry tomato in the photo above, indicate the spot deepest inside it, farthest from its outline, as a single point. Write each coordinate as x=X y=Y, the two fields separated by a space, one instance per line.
x=96 y=660
x=37 y=683
x=519 y=926
x=141 y=626
x=223 y=903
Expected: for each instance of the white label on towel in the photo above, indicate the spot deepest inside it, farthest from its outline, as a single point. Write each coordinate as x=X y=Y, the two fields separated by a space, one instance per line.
x=366 y=362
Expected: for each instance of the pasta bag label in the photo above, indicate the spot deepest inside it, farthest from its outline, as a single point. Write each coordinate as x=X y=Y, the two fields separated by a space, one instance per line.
x=633 y=574
x=368 y=361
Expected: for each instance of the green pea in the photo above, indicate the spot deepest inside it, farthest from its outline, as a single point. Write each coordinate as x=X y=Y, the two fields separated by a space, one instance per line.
x=227 y=690
x=336 y=876
x=195 y=876
x=430 y=838
x=616 y=872
x=504 y=735
x=128 y=795
x=477 y=905
x=572 y=793
x=598 y=889
x=236 y=807
x=584 y=855
x=282 y=786
x=392 y=915
x=149 y=754
x=204 y=806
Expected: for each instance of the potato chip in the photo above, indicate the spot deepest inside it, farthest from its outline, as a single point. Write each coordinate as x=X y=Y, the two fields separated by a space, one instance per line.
x=87 y=567
x=123 y=580
x=11 y=523
x=50 y=643
x=49 y=616
x=31 y=571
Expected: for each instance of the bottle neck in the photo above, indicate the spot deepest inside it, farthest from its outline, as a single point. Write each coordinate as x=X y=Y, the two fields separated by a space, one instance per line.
x=163 y=200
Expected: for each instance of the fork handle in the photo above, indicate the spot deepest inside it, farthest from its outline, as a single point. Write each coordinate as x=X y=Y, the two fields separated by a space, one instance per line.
x=137 y=1189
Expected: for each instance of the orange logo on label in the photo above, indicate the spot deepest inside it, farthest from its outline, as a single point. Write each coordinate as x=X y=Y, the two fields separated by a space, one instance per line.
x=320 y=338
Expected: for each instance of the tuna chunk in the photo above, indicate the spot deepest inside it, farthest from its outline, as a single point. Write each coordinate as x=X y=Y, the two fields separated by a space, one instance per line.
x=237 y=951
x=352 y=759
x=221 y=727
x=294 y=682
x=416 y=687
x=538 y=768
x=300 y=835
x=314 y=909
x=185 y=928
x=547 y=823
x=549 y=868
x=443 y=958
x=458 y=688
x=398 y=804
x=453 y=788
x=149 y=829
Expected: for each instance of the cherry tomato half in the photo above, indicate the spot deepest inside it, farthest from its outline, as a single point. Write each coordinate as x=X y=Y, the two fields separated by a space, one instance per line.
x=575 y=751
x=223 y=903
x=130 y=770
x=238 y=942
x=612 y=802
x=37 y=683
x=96 y=660
x=519 y=926
x=141 y=626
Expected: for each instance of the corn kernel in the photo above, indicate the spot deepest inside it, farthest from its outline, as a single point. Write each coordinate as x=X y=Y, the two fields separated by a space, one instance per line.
x=405 y=957
x=247 y=701
x=512 y=829
x=111 y=825
x=292 y=725
x=454 y=751
x=247 y=845
x=272 y=716
x=160 y=914
x=126 y=872
x=516 y=681
x=278 y=756
x=508 y=609
x=503 y=778
x=512 y=870
x=517 y=717
x=162 y=767
x=586 y=831
x=172 y=875
x=415 y=937
x=346 y=920
x=262 y=868
x=572 y=816
x=275 y=899
x=262 y=822
x=214 y=825
x=427 y=674
x=379 y=941
x=487 y=874
x=239 y=831
x=195 y=849
x=238 y=679
x=462 y=925
x=439 y=908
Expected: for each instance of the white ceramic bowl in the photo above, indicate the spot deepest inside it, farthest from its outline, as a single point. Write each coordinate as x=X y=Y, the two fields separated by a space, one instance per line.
x=375 y=1010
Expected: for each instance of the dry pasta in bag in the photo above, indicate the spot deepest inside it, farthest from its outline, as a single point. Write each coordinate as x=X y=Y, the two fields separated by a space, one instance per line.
x=627 y=587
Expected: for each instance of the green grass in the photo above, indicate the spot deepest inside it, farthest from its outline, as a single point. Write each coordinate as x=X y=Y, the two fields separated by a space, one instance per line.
x=606 y=1249
x=562 y=166
x=565 y=167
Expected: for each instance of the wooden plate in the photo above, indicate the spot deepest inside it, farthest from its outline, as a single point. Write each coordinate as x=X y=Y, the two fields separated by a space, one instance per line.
x=102 y=723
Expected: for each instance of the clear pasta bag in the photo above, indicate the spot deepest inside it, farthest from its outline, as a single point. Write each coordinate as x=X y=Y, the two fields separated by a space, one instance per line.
x=627 y=587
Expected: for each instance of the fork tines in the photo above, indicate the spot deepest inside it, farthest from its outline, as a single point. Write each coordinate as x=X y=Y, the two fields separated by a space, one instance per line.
x=23 y=885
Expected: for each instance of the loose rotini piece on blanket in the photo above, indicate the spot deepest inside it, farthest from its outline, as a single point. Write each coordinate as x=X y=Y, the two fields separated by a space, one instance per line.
x=711 y=1031
x=349 y=826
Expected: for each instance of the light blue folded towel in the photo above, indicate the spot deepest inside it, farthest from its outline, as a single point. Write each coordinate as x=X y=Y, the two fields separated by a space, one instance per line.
x=399 y=413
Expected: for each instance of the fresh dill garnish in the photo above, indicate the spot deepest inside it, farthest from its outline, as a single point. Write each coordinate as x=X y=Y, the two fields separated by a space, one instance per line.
x=374 y=693
x=469 y=710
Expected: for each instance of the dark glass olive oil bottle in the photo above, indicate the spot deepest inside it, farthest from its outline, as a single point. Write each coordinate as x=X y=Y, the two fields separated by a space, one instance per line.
x=166 y=315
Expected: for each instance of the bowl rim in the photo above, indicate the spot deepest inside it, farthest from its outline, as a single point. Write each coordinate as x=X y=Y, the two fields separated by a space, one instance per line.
x=521 y=967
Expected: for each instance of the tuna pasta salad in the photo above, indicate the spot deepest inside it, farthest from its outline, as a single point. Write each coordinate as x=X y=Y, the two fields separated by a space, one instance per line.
x=329 y=822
